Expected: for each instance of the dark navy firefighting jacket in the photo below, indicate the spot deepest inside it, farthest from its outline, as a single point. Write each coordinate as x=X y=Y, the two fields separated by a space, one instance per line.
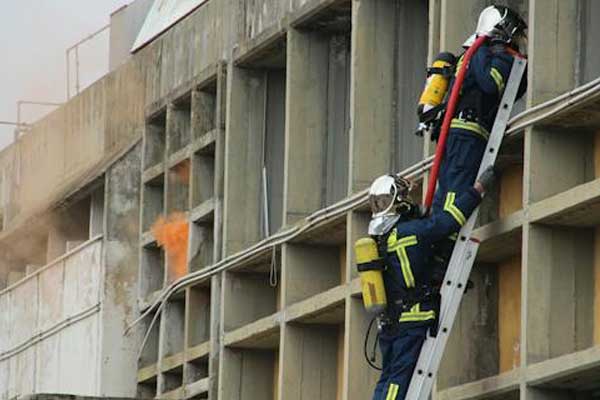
x=409 y=248
x=483 y=88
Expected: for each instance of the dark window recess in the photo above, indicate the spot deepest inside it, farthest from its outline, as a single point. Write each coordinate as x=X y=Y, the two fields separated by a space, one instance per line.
x=589 y=13
x=411 y=65
x=274 y=147
x=338 y=120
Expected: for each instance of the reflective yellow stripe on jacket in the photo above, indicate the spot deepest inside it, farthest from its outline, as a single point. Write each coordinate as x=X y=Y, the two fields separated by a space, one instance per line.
x=497 y=77
x=470 y=126
x=392 y=392
x=416 y=315
x=399 y=246
x=456 y=213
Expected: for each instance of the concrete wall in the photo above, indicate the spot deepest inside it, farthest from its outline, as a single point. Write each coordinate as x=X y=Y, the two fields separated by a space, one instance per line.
x=68 y=143
x=289 y=322
x=50 y=330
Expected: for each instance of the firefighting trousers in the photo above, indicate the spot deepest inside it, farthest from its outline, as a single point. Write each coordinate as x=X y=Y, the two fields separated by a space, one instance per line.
x=400 y=349
x=462 y=158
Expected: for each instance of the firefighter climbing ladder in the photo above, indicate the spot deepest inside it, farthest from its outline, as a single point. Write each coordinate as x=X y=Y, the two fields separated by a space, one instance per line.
x=463 y=256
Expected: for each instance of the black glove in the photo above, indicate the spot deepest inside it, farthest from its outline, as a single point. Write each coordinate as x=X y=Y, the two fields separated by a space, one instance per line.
x=487 y=179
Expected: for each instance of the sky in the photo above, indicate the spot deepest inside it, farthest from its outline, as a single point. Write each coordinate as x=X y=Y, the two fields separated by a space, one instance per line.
x=34 y=35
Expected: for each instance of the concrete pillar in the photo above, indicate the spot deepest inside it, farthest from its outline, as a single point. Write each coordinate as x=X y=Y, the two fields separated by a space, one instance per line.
x=553 y=33
x=559 y=291
x=309 y=370
x=248 y=374
x=121 y=257
x=458 y=22
x=411 y=71
x=372 y=90
x=243 y=153
x=361 y=379
x=306 y=127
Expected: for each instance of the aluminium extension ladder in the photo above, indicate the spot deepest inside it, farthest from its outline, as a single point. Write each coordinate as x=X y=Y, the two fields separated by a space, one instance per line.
x=463 y=256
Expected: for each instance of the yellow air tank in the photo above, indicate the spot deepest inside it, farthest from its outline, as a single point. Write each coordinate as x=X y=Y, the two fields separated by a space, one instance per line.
x=370 y=268
x=437 y=83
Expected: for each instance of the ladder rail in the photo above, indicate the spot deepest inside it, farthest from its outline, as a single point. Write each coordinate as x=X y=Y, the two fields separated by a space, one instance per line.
x=463 y=256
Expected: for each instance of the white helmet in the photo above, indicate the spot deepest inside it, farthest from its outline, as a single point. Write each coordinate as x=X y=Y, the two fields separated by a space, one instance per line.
x=500 y=23
x=388 y=199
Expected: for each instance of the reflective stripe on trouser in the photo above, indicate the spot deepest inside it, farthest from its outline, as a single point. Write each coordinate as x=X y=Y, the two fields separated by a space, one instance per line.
x=416 y=315
x=460 y=165
x=400 y=353
x=392 y=392
x=453 y=210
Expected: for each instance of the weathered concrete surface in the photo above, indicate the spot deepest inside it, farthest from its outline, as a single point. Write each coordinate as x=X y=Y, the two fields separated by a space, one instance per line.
x=557 y=268
x=49 y=336
x=62 y=147
x=121 y=258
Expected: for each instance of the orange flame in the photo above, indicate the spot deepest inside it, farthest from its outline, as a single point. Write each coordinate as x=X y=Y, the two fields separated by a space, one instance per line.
x=171 y=233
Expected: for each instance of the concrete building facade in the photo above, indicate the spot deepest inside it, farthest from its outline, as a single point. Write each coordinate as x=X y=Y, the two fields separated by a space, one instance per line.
x=257 y=125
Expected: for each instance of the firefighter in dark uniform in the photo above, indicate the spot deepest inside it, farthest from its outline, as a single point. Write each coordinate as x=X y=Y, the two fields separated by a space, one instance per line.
x=404 y=240
x=476 y=111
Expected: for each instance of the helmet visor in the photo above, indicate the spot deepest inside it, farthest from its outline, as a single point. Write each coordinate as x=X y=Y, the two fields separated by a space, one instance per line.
x=380 y=203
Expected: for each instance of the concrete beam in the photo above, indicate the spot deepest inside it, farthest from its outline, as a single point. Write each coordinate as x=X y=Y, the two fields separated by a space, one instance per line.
x=326 y=307
x=500 y=239
x=499 y=385
x=262 y=333
x=576 y=207
x=575 y=370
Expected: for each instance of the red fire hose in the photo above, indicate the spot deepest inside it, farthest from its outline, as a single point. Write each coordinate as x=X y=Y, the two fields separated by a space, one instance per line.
x=450 y=109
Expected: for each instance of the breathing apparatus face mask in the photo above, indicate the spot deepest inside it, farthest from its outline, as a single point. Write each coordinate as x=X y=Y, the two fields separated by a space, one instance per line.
x=388 y=199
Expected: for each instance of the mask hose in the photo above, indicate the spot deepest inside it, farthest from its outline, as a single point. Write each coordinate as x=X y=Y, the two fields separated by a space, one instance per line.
x=371 y=359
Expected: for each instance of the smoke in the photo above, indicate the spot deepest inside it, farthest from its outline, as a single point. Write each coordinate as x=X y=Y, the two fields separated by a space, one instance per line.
x=172 y=234
x=34 y=35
